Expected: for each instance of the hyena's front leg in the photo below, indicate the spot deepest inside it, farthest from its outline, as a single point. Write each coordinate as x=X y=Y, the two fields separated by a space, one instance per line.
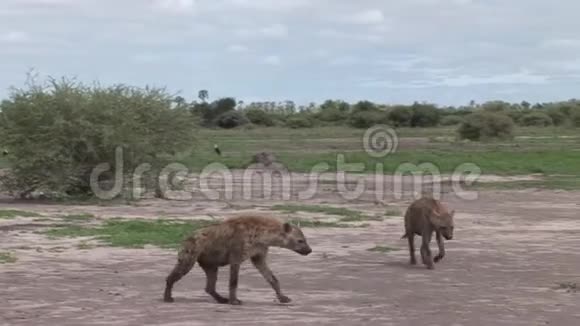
x=259 y=262
x=441 y=246
x=425 y=250
x=234 y=274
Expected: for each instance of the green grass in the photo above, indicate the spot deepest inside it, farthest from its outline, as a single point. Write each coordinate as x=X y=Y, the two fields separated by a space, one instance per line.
x=12 y=213
x=346 y=214
x=535 y=150
x=382 y=249
x=304 y=223
x=393 y=212
x=77 y=217
x=7 y=258
x=132 y=233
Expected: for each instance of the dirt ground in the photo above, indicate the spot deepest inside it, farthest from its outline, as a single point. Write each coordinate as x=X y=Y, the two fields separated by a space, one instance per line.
x=511 y=251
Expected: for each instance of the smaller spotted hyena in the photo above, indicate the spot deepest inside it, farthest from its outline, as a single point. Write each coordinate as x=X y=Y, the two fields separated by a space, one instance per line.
x=232 y=242
x=424 y=216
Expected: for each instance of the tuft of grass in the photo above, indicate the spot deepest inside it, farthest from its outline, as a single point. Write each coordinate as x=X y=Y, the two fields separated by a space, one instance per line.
x=7 y=258
x=393 y=212
x=84 y=245
x=77 y=217
x=12 y=213
x=570 y=287
x=303 y=223
x=132 y=233
x=382 y=249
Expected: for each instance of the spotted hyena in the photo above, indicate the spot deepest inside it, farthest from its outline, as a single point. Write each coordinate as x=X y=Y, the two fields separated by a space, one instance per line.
x=232 y=242
x=424 y=216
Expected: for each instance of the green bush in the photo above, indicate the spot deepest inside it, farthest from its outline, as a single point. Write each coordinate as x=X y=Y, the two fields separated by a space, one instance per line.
x=424 y=115
x=260 y=117
x=366 y=119
x=485 y=125
x=536 y=119
x=400 y=116
x=575 y=117
x=333 y=111
x=231 y=119
x=58 y=134
x=451 y=120
x=297 y=122
x=558 y=117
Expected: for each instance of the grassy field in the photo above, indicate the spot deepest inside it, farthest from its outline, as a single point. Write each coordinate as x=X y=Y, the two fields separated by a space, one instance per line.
x=549 y=151
x=552 y=151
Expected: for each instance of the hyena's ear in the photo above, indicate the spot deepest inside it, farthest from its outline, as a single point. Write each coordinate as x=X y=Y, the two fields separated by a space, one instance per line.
x=452 y=213
x=287 y=227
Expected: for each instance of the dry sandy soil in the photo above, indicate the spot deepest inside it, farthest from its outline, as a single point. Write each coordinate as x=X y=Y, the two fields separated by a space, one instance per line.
x=512 y=250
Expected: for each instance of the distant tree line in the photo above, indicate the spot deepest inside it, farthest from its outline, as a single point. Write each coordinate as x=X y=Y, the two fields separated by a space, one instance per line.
x=227 y=113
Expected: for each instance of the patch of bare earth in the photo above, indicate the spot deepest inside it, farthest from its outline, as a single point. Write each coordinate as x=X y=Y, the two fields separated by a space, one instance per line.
x=512 y=249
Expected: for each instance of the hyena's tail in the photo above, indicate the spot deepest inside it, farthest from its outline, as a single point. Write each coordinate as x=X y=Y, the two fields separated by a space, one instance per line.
x=186 y=258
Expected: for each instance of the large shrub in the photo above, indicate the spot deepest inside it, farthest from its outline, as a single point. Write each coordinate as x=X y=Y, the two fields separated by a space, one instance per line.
x=424 y=115
x=485 y=125
x=333 y=111
x=260 y=117
x=57 y=134
x=536 y=119
x=451 y=120
x=299 y=121
x=367 y=119
x=400 y=116
x=575 y=117
x=558 y=117
x=231 y=119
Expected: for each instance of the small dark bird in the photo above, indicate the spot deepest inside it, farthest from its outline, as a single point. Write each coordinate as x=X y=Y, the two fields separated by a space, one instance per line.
x=4 y=152
x=217 y=149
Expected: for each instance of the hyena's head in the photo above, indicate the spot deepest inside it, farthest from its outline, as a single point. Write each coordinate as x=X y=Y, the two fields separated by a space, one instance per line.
x=295 y=240
x=444 y=223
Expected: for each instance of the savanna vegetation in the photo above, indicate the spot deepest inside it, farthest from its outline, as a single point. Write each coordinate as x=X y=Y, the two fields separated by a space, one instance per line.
x=54 y=134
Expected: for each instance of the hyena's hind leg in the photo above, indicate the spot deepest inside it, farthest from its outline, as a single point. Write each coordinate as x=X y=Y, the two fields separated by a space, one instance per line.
x=441 y=246
x=211 y=273
x=185 y=261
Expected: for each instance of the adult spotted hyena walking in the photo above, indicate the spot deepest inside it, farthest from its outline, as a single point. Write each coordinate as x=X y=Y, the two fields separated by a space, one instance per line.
x=424 y=216
x=231 y=242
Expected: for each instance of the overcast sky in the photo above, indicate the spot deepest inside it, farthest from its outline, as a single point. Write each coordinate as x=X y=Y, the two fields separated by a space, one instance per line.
x=396 y=51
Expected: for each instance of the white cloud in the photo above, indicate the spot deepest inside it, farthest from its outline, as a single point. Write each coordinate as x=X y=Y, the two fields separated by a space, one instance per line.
x=275 y=31
x=145 y=58
x=348 y=36
x=272 y=60
x=14 y=37
x=372 y=16
x=321 y=53
x=402 y=64
x=344 y=61
x=237 y=48
x=269 y=5
x=175 y=6
x=522 y=77
x=562 y=43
